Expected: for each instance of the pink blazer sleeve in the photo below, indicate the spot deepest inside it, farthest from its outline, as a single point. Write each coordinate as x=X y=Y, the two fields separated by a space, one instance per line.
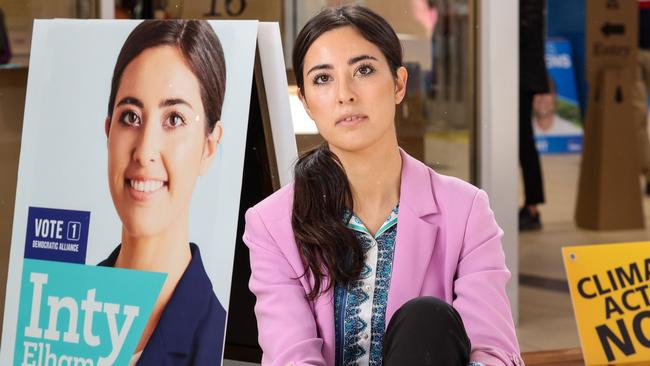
x=479 y=289
x=286 y=325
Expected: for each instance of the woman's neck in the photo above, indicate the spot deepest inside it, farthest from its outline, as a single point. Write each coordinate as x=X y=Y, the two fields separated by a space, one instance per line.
x=374 y=175
x=169 y=253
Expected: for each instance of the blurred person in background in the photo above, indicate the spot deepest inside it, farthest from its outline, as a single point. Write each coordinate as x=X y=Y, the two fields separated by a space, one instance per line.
x=533 y=89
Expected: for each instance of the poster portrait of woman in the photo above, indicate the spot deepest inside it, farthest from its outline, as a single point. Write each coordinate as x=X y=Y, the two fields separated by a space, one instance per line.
x=141 y=126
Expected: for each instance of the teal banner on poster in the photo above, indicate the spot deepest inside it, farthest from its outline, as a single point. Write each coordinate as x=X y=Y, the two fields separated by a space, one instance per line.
x=74 y=314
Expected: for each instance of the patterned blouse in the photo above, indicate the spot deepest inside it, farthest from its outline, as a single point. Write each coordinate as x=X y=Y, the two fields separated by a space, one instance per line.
x=360 y=306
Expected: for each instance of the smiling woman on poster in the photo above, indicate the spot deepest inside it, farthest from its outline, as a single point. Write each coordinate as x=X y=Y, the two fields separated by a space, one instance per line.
x=163 y=127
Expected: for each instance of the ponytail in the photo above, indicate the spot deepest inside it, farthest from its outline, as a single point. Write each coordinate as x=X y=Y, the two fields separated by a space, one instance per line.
x=321 y=197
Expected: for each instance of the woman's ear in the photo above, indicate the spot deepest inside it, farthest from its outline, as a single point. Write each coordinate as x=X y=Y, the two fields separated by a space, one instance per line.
x=400 y=84
x=301 y=96
x=210 y=149
x=107 y=126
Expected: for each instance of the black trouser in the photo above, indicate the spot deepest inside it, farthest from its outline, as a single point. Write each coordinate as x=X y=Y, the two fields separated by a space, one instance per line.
x=426 y=331
x=528 y=157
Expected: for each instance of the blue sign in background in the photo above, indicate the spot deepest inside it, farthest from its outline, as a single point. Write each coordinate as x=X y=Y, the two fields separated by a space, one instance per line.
x=560 y=67
x=57 y=235
x=559 y=63
x=566 y=19
x=101 y=314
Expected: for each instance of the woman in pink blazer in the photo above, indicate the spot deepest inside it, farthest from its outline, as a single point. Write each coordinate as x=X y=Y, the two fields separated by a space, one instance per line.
x=370 y=257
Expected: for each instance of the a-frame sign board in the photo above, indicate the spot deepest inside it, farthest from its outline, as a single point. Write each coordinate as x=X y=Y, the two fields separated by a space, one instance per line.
x=95 y=185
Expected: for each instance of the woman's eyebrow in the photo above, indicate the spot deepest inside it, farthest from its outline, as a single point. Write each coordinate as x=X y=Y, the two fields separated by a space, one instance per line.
x=351 y=61
x=131 y=100
x=320 y=67
x=174 y=101
x=356 y=59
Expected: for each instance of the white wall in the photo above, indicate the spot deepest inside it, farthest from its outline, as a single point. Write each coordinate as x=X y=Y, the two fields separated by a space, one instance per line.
x=107 y=9
x=498 y=73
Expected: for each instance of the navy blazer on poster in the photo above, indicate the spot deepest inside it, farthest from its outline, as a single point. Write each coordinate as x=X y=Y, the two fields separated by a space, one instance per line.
x=192 y=326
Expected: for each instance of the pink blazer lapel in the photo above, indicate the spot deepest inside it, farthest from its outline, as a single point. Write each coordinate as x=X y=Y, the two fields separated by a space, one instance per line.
x=416 y=236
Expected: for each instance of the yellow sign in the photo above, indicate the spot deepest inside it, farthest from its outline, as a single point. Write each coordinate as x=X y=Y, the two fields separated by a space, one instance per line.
x=610 y=290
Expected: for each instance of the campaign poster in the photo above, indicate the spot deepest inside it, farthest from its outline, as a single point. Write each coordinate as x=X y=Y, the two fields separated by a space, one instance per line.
x=564 y=135
x=610 y=292
x=128 y=192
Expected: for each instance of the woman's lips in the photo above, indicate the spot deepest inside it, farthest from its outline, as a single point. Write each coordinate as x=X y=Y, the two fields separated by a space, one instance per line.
x=351 y=120
x=143 y=189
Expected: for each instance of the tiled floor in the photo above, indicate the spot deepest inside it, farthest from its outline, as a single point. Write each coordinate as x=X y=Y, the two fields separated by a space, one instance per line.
x=546 y=316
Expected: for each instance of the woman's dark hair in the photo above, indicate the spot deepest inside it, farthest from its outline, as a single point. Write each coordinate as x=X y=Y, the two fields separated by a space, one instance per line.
x=202 y=51
x=322 y=194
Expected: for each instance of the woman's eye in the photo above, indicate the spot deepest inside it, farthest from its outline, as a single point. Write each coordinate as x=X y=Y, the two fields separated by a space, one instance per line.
x=175 y=120
x=365 y=70
x=130 y=118
x=321 y=79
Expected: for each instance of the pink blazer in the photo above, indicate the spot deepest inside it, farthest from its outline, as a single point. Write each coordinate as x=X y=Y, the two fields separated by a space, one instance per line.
x=448 y=246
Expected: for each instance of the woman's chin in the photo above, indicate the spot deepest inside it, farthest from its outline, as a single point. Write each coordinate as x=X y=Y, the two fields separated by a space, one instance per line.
x=351 y=145
x=141 y=229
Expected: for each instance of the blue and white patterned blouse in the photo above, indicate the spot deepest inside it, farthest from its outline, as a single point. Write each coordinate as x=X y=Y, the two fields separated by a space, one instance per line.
x=360 y=306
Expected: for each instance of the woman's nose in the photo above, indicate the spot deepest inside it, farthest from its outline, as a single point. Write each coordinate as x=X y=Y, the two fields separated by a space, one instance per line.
x=146 y=150
x=345 y=92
